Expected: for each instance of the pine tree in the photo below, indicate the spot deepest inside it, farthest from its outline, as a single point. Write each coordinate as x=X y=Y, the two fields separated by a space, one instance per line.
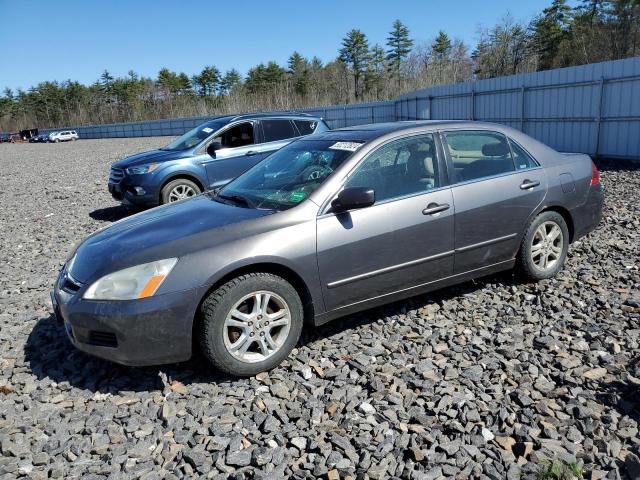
x=264 y=78
x=355 y=54
x=399 y=45
x=207 y=81
x=229 y=81
x=374 y=78
x=299 y=72
x=549 y=30
x=441 y=47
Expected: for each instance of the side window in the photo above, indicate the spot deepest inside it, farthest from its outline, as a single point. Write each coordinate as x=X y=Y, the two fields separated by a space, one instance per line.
x=306 y=127
x=521 y=158
x=237 y=136
x=277 y=130
x=477 y=154
x=402 y=167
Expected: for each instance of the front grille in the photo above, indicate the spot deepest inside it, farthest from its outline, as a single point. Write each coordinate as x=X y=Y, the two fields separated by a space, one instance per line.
x=116 y=175
x=103 y=339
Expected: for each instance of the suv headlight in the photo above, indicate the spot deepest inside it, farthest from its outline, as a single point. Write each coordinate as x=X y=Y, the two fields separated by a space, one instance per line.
x=141 y=281
x=142 y=169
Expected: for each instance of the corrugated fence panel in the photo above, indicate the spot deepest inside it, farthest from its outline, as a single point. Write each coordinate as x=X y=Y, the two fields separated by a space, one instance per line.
x=593 y=109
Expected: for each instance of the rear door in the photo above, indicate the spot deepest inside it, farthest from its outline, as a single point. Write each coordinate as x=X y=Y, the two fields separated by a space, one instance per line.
x=493 y=199
x=403 y=240
x=276 y=133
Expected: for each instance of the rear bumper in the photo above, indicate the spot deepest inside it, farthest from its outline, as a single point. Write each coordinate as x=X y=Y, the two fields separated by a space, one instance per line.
x=587 y=216
x=151 y=331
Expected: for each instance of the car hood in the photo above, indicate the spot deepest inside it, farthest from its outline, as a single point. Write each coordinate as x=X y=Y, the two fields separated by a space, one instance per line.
x=161 y=232
x=153 y=156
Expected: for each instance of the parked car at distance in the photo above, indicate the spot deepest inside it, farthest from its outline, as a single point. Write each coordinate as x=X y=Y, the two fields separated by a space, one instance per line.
x=63 y=136
x=206 y=157
x=4 y=137
x=329 y=225
x=40 y=138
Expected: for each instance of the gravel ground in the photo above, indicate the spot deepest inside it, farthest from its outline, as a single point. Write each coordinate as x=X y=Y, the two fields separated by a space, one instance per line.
x=483 y=380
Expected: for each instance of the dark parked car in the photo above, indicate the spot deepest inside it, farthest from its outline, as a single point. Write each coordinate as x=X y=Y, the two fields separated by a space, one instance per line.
x=40 y=138
x=328 y=225
x=206 y=157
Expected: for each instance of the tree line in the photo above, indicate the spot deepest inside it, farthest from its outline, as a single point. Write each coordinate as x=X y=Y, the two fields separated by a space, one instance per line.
x=560 y=36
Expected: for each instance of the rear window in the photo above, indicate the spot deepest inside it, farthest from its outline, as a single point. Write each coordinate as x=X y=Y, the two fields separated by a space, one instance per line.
x=478 y=154
x=521 y=158
x=306 y=127
x=277 y=130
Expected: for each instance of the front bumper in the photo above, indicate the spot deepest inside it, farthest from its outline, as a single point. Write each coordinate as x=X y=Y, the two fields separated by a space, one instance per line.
x=122 y=189
x=151 y=331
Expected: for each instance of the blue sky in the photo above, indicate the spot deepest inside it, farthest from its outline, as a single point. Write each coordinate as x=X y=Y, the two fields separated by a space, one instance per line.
x=77 y=40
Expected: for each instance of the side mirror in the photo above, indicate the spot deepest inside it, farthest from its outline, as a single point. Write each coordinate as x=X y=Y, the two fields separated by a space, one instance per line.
x=212 y=147
x=352 y=198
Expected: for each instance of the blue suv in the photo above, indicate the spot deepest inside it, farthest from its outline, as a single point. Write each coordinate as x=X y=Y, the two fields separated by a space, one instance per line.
x=206 y=157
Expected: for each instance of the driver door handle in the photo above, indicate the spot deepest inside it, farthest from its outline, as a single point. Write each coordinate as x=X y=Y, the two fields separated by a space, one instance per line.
x=527 y=184
x=434 y=208
x=250 y=153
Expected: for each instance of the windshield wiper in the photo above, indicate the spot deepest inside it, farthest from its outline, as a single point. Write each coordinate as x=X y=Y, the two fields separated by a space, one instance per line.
x=237 y=199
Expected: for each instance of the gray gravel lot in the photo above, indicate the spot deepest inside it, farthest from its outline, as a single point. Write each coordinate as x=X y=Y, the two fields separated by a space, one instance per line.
x=483 y=380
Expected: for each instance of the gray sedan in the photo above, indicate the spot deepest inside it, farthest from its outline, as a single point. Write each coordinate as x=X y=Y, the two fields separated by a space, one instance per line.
x=325 y=227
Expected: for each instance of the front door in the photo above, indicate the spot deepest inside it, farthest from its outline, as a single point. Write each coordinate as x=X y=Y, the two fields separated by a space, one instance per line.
x=493 y=198
x=239 y=153
x=404 y=240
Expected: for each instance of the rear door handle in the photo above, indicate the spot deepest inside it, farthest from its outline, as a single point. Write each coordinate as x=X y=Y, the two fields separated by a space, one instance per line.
x=434 y=208
x=527 y=184
x=250 y=153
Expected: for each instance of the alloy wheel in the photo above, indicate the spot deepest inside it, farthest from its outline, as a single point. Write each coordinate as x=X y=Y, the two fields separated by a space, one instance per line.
x=547 y=245
x=257 y=326
x=180 y=192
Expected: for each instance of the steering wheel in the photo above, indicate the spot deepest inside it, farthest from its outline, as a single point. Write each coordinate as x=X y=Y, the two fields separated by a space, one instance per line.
x=314 y=173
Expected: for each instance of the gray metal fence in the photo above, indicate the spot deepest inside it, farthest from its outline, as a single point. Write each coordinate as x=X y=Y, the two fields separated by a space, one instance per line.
x=593 y=109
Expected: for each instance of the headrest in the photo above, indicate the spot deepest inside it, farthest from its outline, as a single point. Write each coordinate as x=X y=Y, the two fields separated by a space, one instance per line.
x=497 y=149
x=420 y=147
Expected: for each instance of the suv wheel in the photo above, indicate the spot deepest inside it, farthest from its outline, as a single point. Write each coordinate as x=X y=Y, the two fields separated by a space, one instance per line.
x=179 y=189
x=250 y=324
x=544 y=246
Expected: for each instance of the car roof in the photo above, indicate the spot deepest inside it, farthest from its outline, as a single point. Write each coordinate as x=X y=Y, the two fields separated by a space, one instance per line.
x=366 y=133
x=252 y=116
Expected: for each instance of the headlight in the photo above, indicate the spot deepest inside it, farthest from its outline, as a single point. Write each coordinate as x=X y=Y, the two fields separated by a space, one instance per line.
x=141 y=281
x=142 y=169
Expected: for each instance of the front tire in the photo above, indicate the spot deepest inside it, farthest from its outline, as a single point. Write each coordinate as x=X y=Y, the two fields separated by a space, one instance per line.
x=178 y=189
x=544 y=247
x=250 y=324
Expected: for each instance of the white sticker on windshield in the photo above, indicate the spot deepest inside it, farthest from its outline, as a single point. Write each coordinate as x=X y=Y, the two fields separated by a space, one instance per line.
x=349 y=146
x=207 y=130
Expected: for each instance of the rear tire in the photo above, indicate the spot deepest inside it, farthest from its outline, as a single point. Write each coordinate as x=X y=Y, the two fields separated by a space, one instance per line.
x=250 y=324
x=178 y=189
x=544 y=247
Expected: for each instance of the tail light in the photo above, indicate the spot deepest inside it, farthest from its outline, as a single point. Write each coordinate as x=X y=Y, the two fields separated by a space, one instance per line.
x=595 y=174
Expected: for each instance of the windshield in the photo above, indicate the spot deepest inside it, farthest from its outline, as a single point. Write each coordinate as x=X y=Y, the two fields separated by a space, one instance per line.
x=195 y=136
x=288 y=176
